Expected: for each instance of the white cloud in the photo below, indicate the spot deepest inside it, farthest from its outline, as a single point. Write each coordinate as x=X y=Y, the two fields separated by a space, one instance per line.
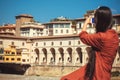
x=114 y=10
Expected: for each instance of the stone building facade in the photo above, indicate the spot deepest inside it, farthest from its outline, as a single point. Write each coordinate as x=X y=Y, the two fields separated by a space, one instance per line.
x=56 y=45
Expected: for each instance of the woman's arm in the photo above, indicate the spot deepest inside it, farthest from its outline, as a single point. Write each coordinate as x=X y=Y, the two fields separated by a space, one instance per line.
x=87 y=21
x=90 y=39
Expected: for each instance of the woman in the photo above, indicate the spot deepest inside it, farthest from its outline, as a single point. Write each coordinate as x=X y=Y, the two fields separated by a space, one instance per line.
x=104 y=45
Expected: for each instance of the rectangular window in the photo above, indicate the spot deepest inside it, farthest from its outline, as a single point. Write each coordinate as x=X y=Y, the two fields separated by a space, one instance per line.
x=7 y=59
x=44 y=43
x=1 y=58
x=56 y=26
x=13 y=53
x=56 y=31
x=61 y=26
x=23 y=60
x=1 y=42
x=33 y=34
x=67 y=31
x=36 y=44
x=12 y=43
x=67 y=25
x=46 y=32
x=78 y=42
x=23 y=43
x=37 y=34
x=18 y=53
x=12 y=59
x=69 y=42
x=61 y=31
x=1 y=50
x=52 y=43
x=51 y=26
x=47 y=27
x=18 y=59
x=7 y=52
x=27 y=60
x=60 y=43
x=79 y=25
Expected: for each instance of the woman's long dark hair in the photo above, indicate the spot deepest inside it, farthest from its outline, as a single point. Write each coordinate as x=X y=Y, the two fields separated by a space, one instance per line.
x=103 y=21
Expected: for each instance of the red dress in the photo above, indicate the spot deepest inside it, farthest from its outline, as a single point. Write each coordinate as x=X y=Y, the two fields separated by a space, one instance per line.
x=107 y=43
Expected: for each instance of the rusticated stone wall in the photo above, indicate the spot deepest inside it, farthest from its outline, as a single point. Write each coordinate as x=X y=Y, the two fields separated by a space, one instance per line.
x=55 y=70
x=50 y=70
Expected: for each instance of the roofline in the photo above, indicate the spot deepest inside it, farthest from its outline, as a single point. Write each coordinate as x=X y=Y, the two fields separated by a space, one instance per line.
x=24 y=15
x=80 y=19
x=31 y=27
x=116 y=15
x=57 y=22
x=7 y=27
x=40 y=37
x=13 y=37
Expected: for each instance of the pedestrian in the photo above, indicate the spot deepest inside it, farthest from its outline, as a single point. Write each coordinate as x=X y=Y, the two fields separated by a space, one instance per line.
x=104 y=43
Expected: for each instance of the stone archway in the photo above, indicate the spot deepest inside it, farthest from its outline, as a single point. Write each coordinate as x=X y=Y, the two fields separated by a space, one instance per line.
x=88 y=49
x=80 y=55
x=45 y=54
x=119 y=51
x=70 y=54
x=61 y=50
x=53 y=54
x=37 y=53
x=118 y=59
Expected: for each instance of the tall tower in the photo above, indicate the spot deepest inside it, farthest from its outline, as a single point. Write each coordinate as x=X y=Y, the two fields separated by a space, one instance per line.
x=20 y=19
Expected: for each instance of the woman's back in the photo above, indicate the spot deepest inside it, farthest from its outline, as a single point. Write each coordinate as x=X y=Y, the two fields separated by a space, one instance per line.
x=105 y=57
x=104 y=45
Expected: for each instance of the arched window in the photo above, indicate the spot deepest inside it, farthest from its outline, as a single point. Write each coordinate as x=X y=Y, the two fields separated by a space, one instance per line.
x=80 y=55
x=70 y=54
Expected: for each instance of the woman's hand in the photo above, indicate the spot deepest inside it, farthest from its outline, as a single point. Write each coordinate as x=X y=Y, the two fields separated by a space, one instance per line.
x=87 y=21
